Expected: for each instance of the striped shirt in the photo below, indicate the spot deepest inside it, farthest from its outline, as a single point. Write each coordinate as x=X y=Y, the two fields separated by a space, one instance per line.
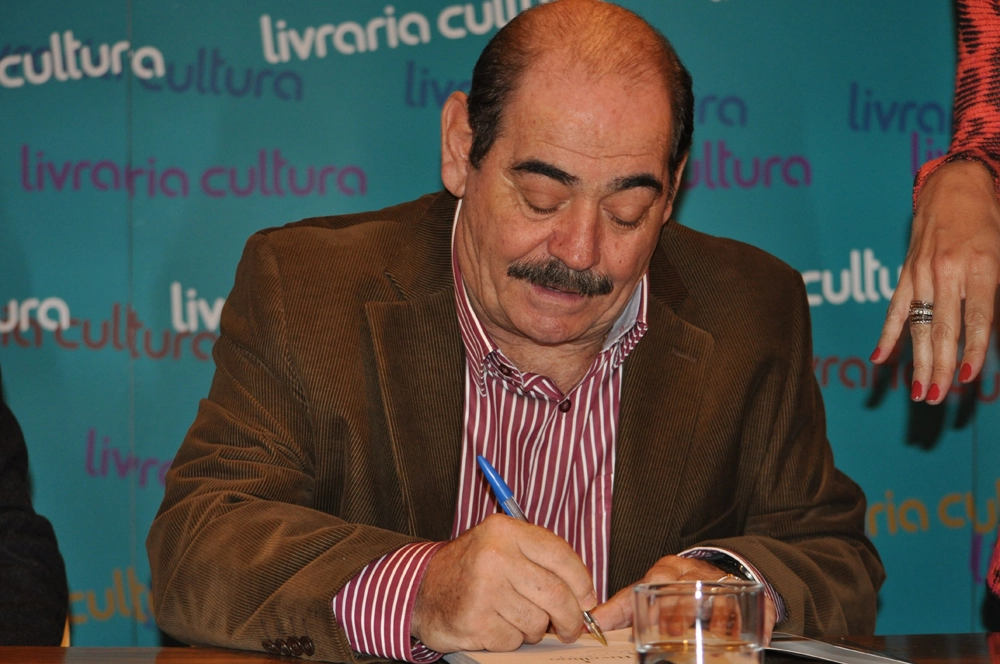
x=556 y=452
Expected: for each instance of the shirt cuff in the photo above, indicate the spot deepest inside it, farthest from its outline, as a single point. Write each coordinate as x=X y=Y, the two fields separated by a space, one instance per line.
x=376 y=606
x=703 y=552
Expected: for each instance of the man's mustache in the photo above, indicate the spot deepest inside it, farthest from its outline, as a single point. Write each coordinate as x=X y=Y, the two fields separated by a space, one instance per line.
x=553 y=273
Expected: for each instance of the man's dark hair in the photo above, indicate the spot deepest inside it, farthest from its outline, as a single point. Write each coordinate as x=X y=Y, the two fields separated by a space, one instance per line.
x=600 y=36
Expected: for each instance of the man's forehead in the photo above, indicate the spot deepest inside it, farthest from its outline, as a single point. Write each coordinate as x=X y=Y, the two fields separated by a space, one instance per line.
x=557 y=82
x=566 y=109
x=569 y=64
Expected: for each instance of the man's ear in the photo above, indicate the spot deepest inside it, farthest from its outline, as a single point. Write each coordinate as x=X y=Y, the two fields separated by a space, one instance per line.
x=669 y=210
x=456 y=142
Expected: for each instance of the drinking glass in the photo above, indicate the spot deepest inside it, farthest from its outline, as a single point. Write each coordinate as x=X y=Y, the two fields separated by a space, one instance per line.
x=699 y=622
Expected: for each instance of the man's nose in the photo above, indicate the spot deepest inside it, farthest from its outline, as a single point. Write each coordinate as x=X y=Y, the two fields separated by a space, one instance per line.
x=576 y=238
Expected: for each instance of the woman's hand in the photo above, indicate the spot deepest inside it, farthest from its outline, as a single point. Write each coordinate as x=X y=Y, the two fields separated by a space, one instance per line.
x=954 y=256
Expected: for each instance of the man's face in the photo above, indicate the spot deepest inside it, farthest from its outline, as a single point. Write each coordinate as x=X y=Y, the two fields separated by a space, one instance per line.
x=578 y=179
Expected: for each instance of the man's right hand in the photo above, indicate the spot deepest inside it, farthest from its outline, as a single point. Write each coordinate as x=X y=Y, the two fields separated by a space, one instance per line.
x=500 y=585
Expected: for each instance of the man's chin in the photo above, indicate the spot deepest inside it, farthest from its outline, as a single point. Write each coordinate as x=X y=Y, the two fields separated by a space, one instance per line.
x=550 y=317
x=550 y=330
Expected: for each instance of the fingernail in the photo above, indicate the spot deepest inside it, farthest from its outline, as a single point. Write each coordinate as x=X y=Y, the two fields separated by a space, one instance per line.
x=916 y=391
x=933 y=393
x=875 y=355
x=590 y=601
x=966 y=373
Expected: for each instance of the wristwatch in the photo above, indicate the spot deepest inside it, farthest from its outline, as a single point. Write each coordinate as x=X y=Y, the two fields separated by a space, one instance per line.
x=730 y=565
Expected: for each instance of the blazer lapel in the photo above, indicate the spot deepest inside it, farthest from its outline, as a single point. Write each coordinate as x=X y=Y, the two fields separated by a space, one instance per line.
x=661 y=395
x=420 y=362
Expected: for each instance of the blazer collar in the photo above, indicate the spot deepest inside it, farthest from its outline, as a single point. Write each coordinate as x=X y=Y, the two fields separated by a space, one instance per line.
x=666 y=283
x=422 y=265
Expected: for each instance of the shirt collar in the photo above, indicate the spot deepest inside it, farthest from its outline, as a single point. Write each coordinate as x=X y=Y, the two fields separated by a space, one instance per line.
x=480 y=349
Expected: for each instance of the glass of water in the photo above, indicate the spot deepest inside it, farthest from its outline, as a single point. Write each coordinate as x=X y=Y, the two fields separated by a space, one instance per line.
x=699 y=622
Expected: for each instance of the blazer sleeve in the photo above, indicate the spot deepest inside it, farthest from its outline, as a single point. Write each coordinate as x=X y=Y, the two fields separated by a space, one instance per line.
x=804 y=528
x=33 y=589
x=238 y=554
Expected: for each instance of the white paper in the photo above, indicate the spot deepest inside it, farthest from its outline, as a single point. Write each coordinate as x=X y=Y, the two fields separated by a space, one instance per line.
x=585 y=650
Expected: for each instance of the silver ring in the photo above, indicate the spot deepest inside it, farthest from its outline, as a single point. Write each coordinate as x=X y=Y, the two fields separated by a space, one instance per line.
x=921 y=312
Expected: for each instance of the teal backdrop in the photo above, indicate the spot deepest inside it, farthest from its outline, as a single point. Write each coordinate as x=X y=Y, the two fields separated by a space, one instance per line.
x=141 y=142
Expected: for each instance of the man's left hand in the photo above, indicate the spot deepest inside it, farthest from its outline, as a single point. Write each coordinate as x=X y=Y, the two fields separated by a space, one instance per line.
x=616 y=613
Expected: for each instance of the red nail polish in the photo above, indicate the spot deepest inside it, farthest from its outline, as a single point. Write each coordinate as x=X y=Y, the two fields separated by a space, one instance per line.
x=966 y=373
x=916 y=391
x=933 y=393
x=875 y=355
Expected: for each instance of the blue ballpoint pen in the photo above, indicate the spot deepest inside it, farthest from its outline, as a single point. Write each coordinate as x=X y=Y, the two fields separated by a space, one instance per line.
x=506 y=499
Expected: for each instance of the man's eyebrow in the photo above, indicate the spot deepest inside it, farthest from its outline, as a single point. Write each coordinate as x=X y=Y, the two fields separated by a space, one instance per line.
x=548 y=170
x=646 y=180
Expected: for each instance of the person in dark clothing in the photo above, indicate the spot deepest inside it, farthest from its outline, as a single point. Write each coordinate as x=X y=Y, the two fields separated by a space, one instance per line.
x=33 y=590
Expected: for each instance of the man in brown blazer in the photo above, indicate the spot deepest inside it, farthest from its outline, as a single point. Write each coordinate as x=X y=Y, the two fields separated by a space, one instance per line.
x=337 y=431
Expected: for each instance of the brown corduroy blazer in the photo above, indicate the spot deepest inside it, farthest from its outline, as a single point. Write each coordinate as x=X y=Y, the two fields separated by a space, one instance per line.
x=332 y=432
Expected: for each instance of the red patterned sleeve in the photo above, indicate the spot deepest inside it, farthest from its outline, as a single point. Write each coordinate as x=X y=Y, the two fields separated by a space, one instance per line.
x=977 y=91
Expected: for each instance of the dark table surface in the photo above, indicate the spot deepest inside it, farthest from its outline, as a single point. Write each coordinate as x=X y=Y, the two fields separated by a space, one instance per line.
x=934 y=648
x=920 y=648
x=72 y=655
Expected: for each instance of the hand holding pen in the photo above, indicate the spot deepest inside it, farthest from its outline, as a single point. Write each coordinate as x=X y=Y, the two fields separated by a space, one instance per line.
x=506 y=499
x=501 y=584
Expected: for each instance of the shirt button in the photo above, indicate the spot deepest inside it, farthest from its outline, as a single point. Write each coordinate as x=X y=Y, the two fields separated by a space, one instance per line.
x=505 y=370
x=565 y=406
